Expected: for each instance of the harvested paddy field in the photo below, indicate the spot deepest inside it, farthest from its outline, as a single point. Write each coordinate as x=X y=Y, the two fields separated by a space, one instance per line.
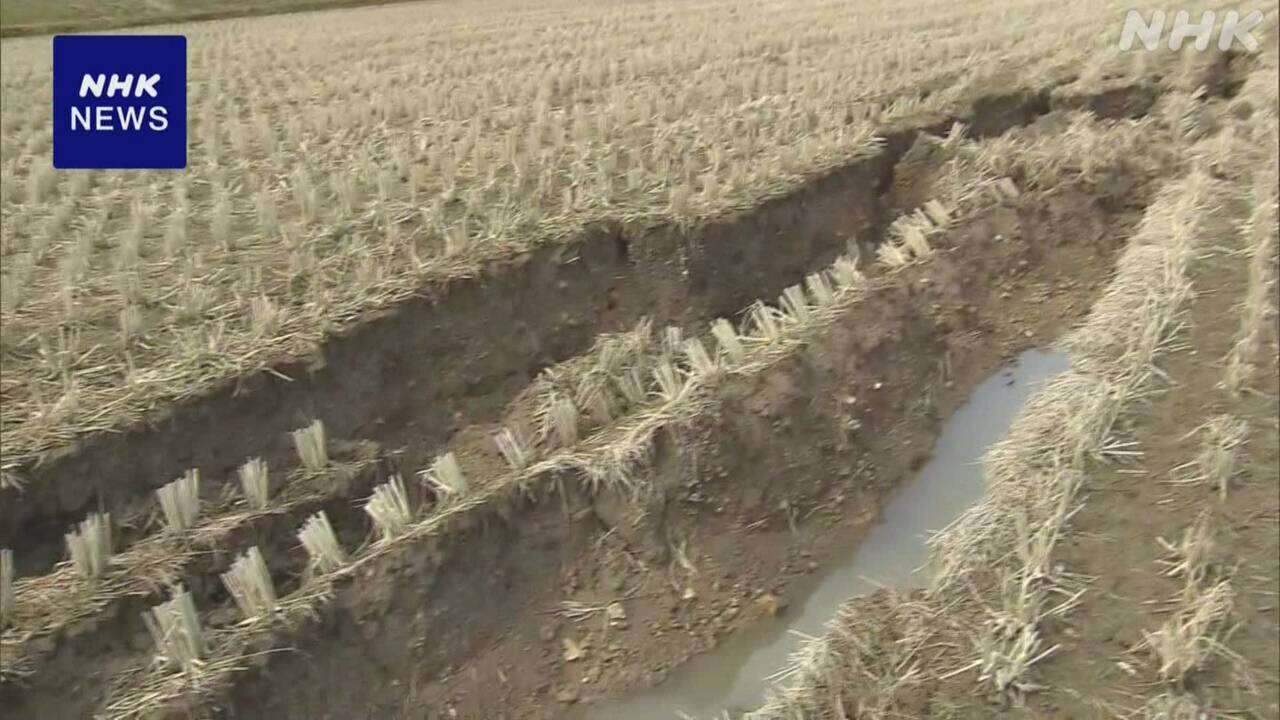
x=506 y=362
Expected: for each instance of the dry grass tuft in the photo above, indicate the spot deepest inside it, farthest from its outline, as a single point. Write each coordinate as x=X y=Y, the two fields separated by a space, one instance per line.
x=321 y=543
x=312 y=446
x=1190 y=557
x=175 y=628
x=90 y=545
x=254 y=483
x=513 y=447
x=728 y=341
x=1216 y=463
x=250 y=584
x=446 y=478
x=1188 y=640
x=560 y=422
x=180 y=501
x=389 y=508
x=699 y=360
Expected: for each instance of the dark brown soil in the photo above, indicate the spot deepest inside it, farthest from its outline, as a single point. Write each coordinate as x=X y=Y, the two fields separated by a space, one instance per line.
x=1130 y=507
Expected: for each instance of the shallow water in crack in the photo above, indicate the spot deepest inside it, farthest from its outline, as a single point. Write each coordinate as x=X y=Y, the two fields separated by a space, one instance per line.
x=734 y=676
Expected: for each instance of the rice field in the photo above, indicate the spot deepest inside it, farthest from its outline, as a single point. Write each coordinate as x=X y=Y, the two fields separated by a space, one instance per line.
x=473 y=332
x=329 y=179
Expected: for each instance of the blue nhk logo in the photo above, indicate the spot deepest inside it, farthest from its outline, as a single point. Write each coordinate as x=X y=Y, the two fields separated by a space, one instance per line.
x=119 y=102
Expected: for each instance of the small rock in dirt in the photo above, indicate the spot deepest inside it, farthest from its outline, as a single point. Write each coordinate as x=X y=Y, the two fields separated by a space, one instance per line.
x=572 y=650
x=616 y=612
x=567 y=696
x=771 y=604
x=688 y=594
x=547 y=633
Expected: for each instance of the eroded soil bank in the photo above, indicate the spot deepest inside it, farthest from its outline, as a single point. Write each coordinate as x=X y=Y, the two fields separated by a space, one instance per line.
x=459 y=353
x=735 y=676
x=569 y=598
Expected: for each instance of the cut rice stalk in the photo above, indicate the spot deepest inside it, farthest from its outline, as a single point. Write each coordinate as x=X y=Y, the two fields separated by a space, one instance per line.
x=445 y=476
x=595 y=398
x=795 y=307
x=893 y=255
x=253 y=481
x=631 y=385
x=914 y=240
x=820 y=289
x=1190 y=558
x=90 y=545
x=1216 y=465
x=175 y=627
x=937 y=213
x=672 y=339
x=1187 y=640
x=727 y=337
x=699 y=360
x=562 y=421
x=389 y=508
x=670 y=384
x=845 y=273
x=513 y=448
x=180 y=501
x=250 y=585
x=765 y=320
x=322 y=546
x=312 y=446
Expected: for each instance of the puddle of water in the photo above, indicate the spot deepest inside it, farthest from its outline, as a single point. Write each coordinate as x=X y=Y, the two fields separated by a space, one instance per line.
x=733 y=676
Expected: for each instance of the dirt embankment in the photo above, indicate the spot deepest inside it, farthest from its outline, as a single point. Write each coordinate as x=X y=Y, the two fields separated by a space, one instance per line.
x=458 y=353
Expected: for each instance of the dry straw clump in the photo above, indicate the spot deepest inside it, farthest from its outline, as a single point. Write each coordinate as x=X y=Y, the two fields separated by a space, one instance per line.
x=254 y=483
x=180 y=501
x=389 y=508
x=175 y=627
x=665 y=112
x=312 y=446
x=446 y=477
x=1189 y=639
x=90 y=545
x=1216 y=463
x=321 y=544
x=249 y=583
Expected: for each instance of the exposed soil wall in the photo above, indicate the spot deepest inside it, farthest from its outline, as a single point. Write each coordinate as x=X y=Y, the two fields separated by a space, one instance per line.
x=456 y=354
